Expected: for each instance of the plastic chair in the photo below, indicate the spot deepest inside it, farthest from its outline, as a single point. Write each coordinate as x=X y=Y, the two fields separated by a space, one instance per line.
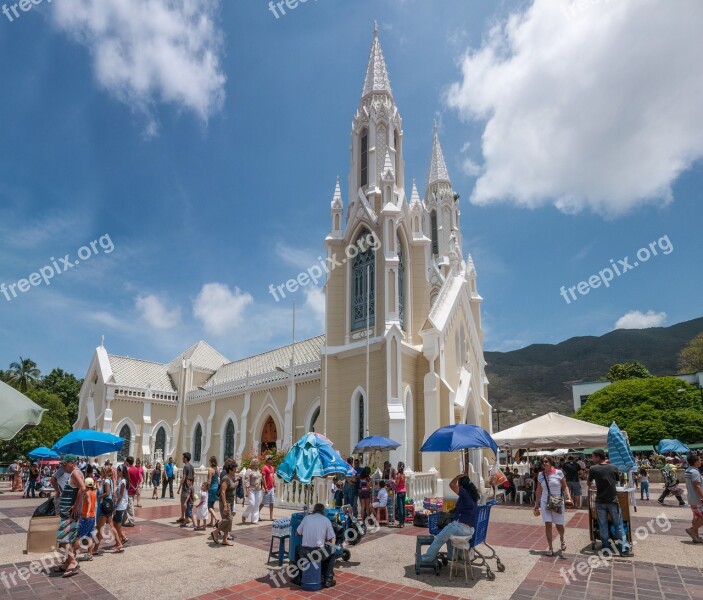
x=461 y=550
x=281 y=553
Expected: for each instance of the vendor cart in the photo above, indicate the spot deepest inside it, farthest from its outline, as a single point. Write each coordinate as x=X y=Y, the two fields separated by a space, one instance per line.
x=624 y=501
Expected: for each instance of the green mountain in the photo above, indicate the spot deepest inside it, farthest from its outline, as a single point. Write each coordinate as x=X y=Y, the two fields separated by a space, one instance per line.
x=535 y=379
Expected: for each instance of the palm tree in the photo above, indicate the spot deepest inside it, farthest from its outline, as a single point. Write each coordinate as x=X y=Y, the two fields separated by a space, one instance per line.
x=24 y=374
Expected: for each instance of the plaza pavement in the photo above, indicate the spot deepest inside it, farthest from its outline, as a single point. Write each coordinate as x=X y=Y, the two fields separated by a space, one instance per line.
x=166 y=562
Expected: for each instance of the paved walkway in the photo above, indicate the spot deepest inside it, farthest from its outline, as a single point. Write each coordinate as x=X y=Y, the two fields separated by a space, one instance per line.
x=164 y=561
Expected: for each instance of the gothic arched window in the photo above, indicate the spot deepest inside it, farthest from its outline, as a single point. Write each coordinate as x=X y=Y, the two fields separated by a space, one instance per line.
x=315 y=417
x=364 y=159
x=126 y=434
x=160 y=443
x=361 y=417
x=363 y=286
x=229 y=440
x=401 y=284
x=433 y=229
x=197 y=443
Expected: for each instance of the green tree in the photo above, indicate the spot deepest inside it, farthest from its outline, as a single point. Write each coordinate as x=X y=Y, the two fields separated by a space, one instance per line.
x=24 y=374
x=648 y=409
x=632 y=370
x=690 y=359
x=54 y=425
x=65 y=386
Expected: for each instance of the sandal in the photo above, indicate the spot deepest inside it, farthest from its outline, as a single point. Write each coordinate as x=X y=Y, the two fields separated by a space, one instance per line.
x=119 y=550
x=215 y=537
x=60 y=569
x=71 y=572
x=563 y=546
x=550 y=552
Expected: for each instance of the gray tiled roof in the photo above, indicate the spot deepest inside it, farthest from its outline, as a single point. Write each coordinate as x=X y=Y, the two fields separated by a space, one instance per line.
x=202 y=355
x=306 y=351
x=133 y=372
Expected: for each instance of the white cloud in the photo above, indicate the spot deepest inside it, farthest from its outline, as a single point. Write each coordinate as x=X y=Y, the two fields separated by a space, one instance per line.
x=470 y=167
x=295 y=257
x=315 y=301
x=636 y=319
x=150 y=51
x=593 y=107
x=219 y=308
x=155 y=313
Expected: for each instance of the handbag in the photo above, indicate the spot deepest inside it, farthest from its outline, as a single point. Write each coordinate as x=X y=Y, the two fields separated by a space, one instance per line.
x=106 y=506
x=554 y=503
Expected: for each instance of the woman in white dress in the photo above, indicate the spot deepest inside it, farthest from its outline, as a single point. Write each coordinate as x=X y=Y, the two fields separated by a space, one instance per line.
x=551 y=482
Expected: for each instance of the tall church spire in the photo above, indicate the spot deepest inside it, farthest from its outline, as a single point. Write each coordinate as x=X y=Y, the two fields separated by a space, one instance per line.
x=376 y=72
x=438 y=168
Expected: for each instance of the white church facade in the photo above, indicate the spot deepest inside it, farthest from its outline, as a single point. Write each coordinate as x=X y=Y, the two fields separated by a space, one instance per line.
x=403 y=351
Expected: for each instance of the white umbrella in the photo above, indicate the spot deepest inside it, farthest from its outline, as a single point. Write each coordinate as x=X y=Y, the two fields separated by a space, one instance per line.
x=16 y=412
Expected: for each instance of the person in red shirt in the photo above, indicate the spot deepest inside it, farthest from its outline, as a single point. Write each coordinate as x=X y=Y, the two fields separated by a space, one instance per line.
x=134 y=475
x=269 y=486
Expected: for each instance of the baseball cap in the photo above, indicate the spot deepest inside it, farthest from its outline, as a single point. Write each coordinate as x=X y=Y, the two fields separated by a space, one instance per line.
x=69 y=458
x=89 y=483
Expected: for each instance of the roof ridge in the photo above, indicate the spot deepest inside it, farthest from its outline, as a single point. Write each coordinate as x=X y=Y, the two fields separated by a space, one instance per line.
x=153 y=362
x=321 y=335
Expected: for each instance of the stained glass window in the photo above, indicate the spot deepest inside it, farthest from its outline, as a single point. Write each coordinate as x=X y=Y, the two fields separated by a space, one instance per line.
x=160 y=443
x=229 y=439
x=315 y=417
x=361 y=418
x=433 y=226
x=364 y=159
x=197 y=443
x=363 y=287
x=126 y=434
x=401 y=285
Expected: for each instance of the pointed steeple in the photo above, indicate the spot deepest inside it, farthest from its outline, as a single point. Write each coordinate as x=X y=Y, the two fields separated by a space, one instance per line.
x=376 y=72
x=414 y=196
x=438 y=168
x=337 y=198
x=388 y=171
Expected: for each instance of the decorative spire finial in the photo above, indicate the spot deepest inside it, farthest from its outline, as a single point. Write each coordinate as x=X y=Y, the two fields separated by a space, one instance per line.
x=375 y=28
x=102 y=341
x=435 y=126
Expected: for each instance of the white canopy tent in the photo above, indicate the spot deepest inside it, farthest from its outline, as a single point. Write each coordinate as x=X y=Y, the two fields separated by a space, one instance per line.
x=553 y=431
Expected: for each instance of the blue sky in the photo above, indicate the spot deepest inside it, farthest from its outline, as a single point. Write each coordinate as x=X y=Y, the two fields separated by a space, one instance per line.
x=204 y=140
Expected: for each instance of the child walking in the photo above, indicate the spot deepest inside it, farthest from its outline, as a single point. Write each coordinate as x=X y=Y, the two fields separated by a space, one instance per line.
x=86 y=525
x=201 y=510
x=188 y=488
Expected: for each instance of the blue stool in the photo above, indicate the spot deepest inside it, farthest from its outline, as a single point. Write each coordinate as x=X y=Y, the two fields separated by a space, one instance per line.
x=281 y=553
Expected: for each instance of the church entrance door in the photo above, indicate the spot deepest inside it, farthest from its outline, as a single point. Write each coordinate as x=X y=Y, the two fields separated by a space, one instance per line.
x=269 y=435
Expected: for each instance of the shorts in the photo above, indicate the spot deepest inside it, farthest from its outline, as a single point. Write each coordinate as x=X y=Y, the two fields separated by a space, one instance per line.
x=67 y=532
x=549 y=516
x=119 y=516
x=189 y=510
x=269 y=497
x=574 y=488
x=364 y=495
x=697 y=510
x=86 y=526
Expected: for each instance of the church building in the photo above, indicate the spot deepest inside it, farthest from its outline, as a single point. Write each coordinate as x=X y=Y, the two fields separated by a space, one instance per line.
x=403 y=350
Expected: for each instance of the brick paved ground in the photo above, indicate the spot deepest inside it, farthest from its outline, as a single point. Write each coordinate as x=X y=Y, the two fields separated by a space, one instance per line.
x=665 y=565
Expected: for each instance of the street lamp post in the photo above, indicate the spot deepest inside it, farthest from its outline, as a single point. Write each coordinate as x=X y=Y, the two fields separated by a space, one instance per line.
x=497 y=412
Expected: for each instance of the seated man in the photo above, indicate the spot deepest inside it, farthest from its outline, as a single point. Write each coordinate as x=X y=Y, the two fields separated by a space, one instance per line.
x=465 y=514
x=381 y=499
x=318 y=539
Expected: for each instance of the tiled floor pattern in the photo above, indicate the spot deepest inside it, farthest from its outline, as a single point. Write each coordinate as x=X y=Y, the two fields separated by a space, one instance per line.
x=348 y=586
x=52 y=586
x=551 y=579
x=9 y=526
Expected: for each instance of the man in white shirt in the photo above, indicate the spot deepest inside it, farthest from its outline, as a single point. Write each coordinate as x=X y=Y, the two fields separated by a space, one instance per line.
x=317 y=531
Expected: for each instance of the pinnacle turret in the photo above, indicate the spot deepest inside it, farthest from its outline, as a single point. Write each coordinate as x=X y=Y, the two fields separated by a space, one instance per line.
x=376 y=72
x=337 y=198
x=438 y=168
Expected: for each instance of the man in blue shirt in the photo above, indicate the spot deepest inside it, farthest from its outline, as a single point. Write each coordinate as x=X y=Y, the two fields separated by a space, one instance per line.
x=465 y=514
x=168 y=477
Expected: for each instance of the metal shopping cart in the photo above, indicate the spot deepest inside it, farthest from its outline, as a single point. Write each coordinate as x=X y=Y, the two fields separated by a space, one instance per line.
x=480 y=559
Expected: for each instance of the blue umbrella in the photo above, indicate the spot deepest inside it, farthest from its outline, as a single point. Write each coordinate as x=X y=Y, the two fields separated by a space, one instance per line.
x=42 y=453
x=86 y=442
x=374 y=443
x=672 y=446
x=619 y=451
x=459 y=437
x=312 y=456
